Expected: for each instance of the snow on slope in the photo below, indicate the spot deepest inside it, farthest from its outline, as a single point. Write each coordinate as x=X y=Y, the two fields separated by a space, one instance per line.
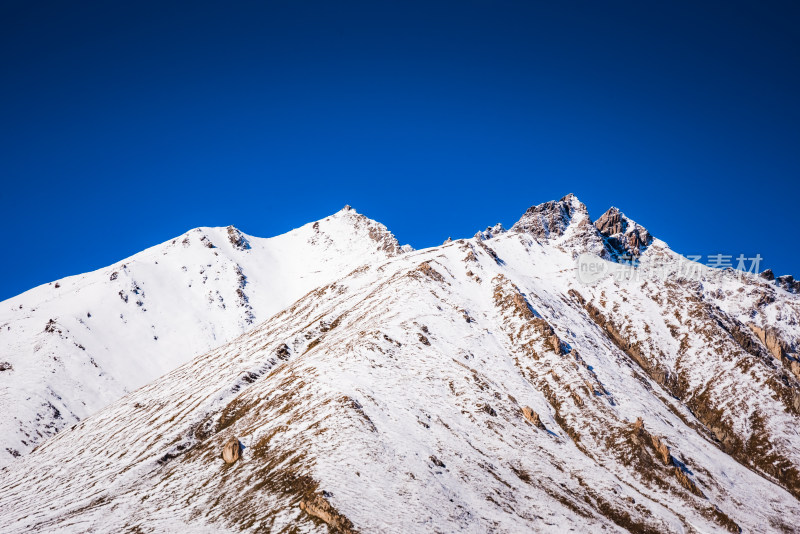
x=391 y=400
x=78 y=344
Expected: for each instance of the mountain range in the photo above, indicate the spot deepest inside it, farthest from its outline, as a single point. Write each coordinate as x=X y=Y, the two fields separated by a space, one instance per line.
x=482 y=385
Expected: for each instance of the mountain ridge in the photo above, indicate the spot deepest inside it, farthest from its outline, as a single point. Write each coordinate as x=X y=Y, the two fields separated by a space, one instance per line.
x=476 y=386
x=78 y=343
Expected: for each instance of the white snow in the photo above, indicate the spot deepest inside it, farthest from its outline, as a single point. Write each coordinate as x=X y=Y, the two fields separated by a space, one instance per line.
x=118 y=328
x=380 y=400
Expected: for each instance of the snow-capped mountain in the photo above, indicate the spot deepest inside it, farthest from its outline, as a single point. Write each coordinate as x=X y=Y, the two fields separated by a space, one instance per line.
x=478 y=386
x=73 y=346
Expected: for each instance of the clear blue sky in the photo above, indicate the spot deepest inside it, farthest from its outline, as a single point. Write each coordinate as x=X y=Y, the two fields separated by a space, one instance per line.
x=123 y=124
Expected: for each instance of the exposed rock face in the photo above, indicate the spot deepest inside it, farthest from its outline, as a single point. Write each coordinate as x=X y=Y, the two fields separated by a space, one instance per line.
x=623 y=235
x=788 y=283
x=770 y=339
x=231 y=450
x=565 y=224
x=532 y=417
x=551 y=338
x=237 y=239
x=490 y=232
x=283 y=352
x=5 y=366
x=646 y=443
x=385 y=240
x=436 y=461
x=549 y=220
x=611 y=223
x=782 y=351
x=642 y=437
x=688 y=483
x=51 y=326
x=318 y=506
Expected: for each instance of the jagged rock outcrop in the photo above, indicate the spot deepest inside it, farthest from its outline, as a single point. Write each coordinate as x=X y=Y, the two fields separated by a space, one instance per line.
x=548 y=220
x=640 y=436
x=318 y=506
x=231 y=450
x=564 y=224
x=788 y=283
x=781 y=350
x=237 y=239
x=623 y=235
x=644 y=443
x=776 y=346
x=384 y=239
x=611 y=223
x=532 y=417
x=490 y=232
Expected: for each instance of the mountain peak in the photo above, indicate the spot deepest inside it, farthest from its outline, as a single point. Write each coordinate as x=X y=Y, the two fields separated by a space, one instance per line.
x=623 y=235
x=237 y=238
x=551 y=219
x=612 y=222
x=374 y=230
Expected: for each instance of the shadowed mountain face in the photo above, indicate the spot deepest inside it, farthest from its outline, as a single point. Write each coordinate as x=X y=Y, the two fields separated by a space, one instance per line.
x=624 y=236
x=473 y=387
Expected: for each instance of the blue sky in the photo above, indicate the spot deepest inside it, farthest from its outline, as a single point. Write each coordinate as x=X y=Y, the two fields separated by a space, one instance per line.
x=123 y=124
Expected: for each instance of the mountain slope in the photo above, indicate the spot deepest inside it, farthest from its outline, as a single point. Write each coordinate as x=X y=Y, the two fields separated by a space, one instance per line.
x=73 y=346
x=477 y=386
